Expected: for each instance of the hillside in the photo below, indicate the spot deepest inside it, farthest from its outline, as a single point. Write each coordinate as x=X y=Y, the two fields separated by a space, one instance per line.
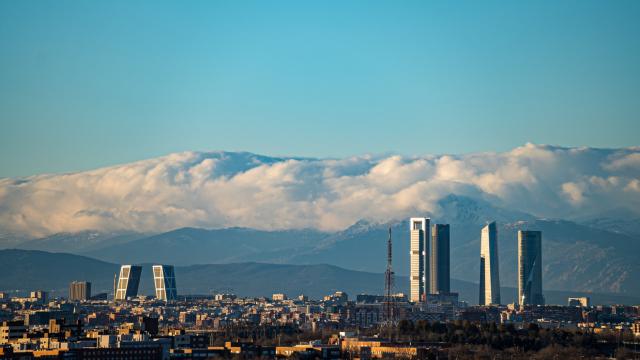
x=27 y=270
x=576 y=257
x=188 y=246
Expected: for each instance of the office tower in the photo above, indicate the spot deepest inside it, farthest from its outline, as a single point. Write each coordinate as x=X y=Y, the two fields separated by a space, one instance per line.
x=40 y=296
x=489 y=268
x=128 y=282
x=79 y=291
x=530 y=268
x=419 y=262
x=164 y=280
x=440 y=282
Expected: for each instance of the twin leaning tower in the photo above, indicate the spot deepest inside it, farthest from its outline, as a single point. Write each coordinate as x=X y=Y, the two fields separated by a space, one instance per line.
x=428 y=274
x=430 y=263
x=164 y=280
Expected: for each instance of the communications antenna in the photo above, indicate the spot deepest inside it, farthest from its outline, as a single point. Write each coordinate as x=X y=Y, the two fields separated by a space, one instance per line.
x=389 y=305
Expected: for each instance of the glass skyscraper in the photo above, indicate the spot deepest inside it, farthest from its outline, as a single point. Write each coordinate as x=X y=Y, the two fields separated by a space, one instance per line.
x=164 y=280
x=530 y=268
x=440 y=277
x=128 y=282
x=489 y=268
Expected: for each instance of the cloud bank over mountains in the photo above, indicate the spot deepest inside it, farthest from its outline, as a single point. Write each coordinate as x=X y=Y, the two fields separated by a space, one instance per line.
x=223 y=189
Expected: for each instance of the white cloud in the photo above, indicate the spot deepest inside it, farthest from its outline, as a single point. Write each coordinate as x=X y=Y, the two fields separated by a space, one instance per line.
x=240 y=189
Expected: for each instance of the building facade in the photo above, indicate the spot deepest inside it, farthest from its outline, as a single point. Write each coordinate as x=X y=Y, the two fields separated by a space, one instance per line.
x=530 y=268
x=440 y=277
x=489 y=268
x=79 y=291
x=583 y=301
x=39 y=296
x=164 y=280
x=128 y=281
x=419 y=262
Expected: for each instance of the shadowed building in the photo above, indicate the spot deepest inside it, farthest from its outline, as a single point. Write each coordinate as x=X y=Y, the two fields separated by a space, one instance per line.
x=489 y=268
x=79 y=291
x=128 y=281
x=530 y=268
x=419 y=262
x=583 y=301
x=164 y=280
x=440 y=282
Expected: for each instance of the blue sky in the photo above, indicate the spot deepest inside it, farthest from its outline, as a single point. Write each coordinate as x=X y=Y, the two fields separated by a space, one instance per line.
x=93 y=83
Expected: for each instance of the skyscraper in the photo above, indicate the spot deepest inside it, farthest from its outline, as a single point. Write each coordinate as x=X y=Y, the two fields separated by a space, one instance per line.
x=440 y=282
x=489 y=268
x=164 y=280
x=419 y=262
x=530 y=268
x=79 y=291
x=40 y=295
x=128 y=282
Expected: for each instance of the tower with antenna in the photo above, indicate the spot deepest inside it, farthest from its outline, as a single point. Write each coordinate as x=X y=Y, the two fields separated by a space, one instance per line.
x=389 y=309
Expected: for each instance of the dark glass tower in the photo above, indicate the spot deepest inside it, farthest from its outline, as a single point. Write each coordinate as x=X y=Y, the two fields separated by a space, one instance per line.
x=440 y=260
x=530 y=268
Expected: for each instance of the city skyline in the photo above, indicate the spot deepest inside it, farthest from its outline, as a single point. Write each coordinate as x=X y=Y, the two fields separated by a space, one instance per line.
x=222 y=179
x=431 y=282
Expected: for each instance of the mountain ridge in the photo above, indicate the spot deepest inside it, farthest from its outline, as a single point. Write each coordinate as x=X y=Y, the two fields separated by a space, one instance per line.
x=54 y=271
x=575 y=257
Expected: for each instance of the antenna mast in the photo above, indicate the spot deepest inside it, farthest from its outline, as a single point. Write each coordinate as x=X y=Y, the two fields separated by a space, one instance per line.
x=389 y=300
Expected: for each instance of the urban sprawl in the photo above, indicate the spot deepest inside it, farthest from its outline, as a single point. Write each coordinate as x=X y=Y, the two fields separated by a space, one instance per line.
x=429 y=322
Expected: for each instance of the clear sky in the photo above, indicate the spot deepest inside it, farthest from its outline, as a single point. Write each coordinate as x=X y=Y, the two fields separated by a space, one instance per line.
x=84 y=84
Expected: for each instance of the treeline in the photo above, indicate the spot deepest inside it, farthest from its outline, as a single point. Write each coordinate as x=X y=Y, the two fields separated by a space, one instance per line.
x=496 y=336
x=491 y=339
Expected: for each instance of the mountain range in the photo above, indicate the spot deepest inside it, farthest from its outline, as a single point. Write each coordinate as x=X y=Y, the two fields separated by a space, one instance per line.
x=583 y=257
x=201 y=208
x=25 y=270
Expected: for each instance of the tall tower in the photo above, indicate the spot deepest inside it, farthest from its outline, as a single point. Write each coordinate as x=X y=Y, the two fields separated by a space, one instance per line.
x=79 y=291
x=530 y=268
x=128 y=282
x=164 y=280
x=389 y=311
x=419 y=262
x=440 y=260
x=489 y=268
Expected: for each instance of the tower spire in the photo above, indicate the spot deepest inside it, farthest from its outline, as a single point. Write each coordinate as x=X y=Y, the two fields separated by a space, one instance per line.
x=389 y=305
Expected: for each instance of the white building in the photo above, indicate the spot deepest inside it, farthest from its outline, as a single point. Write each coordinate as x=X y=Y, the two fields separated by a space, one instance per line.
x=418 y=259
x=489 y=268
